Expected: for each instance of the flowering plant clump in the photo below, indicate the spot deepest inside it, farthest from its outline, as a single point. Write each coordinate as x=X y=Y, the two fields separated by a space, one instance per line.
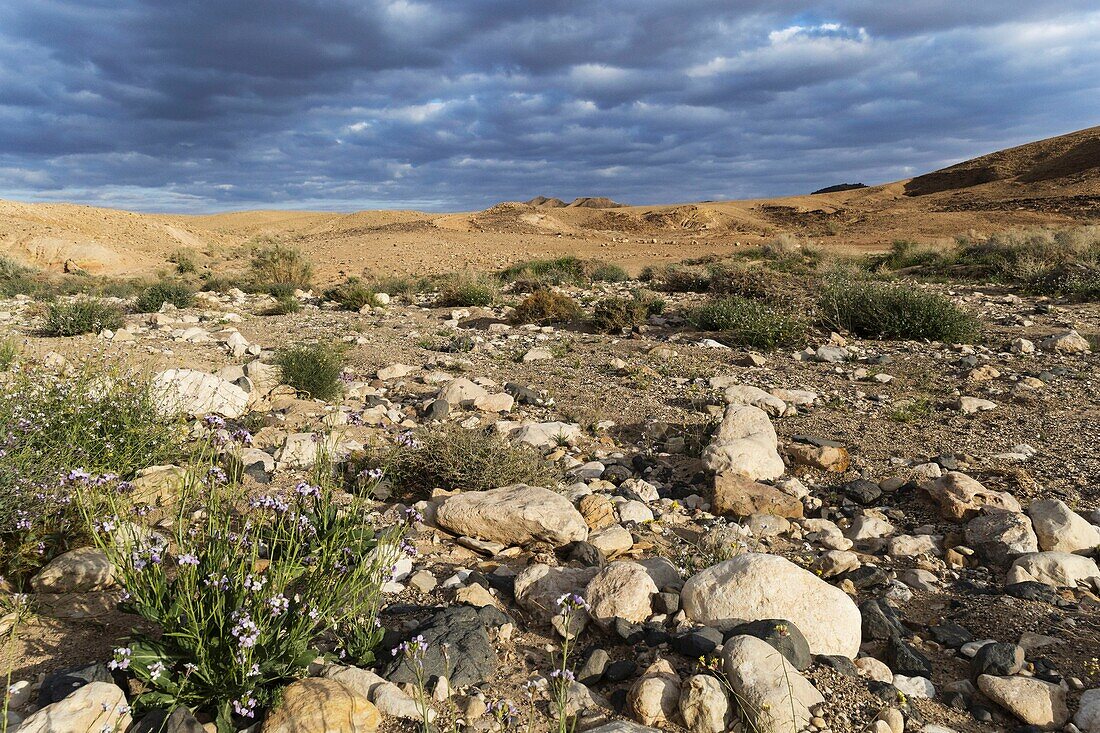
x=251 y=592
x=571 y=607
x=69 y=437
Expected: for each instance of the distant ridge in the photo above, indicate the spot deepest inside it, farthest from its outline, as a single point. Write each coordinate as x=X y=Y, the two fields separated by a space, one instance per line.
x=838 y=188
x=543 y=201
x=586 y=202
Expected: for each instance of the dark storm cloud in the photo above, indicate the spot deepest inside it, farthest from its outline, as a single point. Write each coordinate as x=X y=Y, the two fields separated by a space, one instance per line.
x=200 y=105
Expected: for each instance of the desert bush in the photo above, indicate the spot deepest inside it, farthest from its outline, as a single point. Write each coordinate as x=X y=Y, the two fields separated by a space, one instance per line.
x=762 y=283
x=313 y=369
x=466 y=290
x=284 y=305
x=615 y=314
x=281 y=264
x=749 y=323
x=177 y=293
x=12 y=270
x=81 y=429
x=567 y=270
x=245 y=596
x=9 y=352
x=544 y=307
x=905 y=254
x=184 y=261
x=453 y=458
x=893 y=311
x=607 y=272
x=784 y=246
x=654 y=304
x=352 y=294
x=84 y=315
x=682 y=280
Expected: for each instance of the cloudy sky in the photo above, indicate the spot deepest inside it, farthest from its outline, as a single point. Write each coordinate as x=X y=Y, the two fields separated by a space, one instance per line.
x=202 y=105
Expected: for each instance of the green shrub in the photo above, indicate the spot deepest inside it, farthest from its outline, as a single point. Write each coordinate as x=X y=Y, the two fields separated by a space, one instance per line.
x=546 y=307
x=749 y=323
x=281 y=264
x=155 y=296
x=756 y=282
x=243 y=599
x=352 y=294
x=905 y=254
x=453 y=458
x=184 y=261
x=893 y=311
x=654 y=304
x=67 y=432
x=285 y=305
x=313 y=369
x=607 y=272
x=9 y=352
x=682 y=280
x=12 y=270
x=567 y=270
x=615 y=314
x=76 y=317
x=466 y=290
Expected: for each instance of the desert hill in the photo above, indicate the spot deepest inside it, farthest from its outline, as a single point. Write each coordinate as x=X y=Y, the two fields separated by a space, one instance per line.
x=1049 y=182
x=1063 y=164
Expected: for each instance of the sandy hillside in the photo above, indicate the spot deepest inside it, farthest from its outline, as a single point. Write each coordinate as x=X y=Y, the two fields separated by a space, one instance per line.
x=1050 y=182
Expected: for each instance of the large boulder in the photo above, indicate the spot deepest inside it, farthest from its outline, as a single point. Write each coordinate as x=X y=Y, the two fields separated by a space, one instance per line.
x=94 y=707
x=538 y=587
x=960 y=497
x=1061 y=529
x=655 y=697
x=704 y=706
x=744 y=394
x=319 y=705
x=1087 y=718
x=194 y=393
x=621 y=590
x=745 y=443
x=1001 y=536
x=756 y=586
x=740 y=496
x=1033 y=701
x=82 y=570
x=774 y=696
x=546 y=434
x=1060 y=569
x=513 y=515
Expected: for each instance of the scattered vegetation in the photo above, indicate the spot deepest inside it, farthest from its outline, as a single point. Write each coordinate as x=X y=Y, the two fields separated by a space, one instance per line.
x=9 y=352
x=281 y=264
x=232 y=635
x=352 y=294
x=175 y=292
x=607 y=272
x=314 y=369
x=747 y=322
x=184 y=261
x=284 y=305
x=64 y=432
x=467 y=290
x=1062 y=262
x=615 y=314
x=453 y=458
x=80 y=316
x=545 y=307
x=568 y=270
x=893 y=311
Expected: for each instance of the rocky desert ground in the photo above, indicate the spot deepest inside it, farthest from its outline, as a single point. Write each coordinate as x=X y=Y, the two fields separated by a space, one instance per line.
x=724 y=473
